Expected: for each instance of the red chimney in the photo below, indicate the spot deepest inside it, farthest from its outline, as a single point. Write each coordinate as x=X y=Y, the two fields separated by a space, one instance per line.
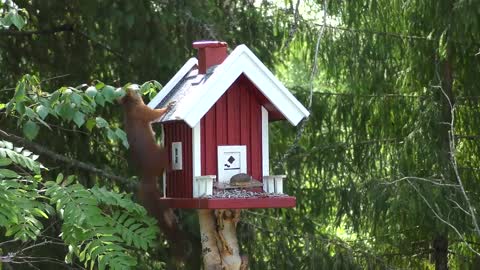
x=210 y=53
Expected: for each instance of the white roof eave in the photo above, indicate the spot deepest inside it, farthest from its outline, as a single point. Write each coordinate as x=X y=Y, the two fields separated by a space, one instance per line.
x=173 y=82
x=242 y=60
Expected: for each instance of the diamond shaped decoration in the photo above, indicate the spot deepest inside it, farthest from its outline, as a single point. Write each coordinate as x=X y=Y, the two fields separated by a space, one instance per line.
x=231 y=159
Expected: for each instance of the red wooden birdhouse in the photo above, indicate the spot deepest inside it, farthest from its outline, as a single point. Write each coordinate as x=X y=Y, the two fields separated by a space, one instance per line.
x=217 y=131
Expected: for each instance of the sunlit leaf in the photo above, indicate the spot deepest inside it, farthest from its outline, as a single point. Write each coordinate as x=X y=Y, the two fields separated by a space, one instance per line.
x=79 y=118
x=42 y=111
x=101 y=123
x=91 y=91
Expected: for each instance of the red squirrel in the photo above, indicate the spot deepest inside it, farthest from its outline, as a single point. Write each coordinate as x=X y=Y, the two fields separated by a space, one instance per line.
x=150 y=160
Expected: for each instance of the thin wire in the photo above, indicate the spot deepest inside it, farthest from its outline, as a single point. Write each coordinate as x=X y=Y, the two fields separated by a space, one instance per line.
x=387 y=96
x=374 y=32
x=392 y=34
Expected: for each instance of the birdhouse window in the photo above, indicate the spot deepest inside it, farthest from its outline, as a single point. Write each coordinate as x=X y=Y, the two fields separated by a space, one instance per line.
x=177 y=156
x=232 y=160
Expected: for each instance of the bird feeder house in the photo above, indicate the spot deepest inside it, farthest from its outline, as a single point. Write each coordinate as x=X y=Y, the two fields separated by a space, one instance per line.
x=217 y=131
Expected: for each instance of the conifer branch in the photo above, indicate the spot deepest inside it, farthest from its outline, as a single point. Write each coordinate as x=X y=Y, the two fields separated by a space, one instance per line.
x=59 y=29
x=54 y=30
x=437 y=215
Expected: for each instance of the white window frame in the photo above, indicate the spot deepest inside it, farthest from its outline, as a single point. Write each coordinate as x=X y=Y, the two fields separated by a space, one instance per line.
x=177 y=148
x=221 y=150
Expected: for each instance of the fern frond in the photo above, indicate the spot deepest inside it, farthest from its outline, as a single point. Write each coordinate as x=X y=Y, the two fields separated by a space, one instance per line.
x=100 y=227
x=103 y=227
x=21 y=208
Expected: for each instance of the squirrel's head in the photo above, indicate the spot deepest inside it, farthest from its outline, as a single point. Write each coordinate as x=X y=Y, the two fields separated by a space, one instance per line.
x=132 y=96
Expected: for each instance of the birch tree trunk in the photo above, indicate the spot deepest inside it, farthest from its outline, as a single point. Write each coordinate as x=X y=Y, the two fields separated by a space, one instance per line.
x=218 y=233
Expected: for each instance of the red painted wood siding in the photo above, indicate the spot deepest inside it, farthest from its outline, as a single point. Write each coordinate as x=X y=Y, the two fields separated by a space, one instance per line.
x=179 y=183
x=236 y=119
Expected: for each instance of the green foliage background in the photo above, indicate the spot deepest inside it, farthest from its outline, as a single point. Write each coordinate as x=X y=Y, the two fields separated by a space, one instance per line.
x=375 y=181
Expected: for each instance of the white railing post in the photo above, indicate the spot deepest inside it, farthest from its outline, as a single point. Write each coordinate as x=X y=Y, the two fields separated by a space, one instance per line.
x=279 y=183
x=273 y=184
x=203 y=186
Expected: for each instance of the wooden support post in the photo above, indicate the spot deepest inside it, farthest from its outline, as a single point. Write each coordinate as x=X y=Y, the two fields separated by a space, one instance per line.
x=220 y=247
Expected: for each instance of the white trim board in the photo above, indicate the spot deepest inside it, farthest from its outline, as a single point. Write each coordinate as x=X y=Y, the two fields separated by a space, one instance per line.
x=173 y=81
x=240 y=61
x=196 y=157
x=265 y=146
x=164 y=175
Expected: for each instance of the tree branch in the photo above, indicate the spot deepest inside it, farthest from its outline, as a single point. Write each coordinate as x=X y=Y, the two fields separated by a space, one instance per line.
x=51 y=31
x=73 y=162
x=437 y=182
x=441 y=219
x=467 y=137
x=42 y=81
x=294 y=27
x=59 y=29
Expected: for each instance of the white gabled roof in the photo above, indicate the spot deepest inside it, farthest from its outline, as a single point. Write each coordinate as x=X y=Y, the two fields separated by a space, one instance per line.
x=195 y=93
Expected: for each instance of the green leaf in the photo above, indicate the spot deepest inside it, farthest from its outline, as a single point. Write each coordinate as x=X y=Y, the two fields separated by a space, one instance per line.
x=158 y=85
x=30 y=113
x=91 y=91
x=10 y=106
x=20 y=92
x=59 y=178
x=111 y=135
x=442 y=45
x=8 y=145
x=5 y=161
x=6 y=173
x=13 y=230
x=91 y=124
x=6 y=21
x=70 y=180
x=99 y=85
x=76 y=98
x=123 y=136
x=67 y=92
x=102 y=263
x=18 y=20
x=66 y=110
x=20 y=107
x=40 y=212
x=79 y=118
x=30 y=129
x=145 y=88
x=109 y=93
x=55 y=96
x=101 y=123
x=99 y=99
x=42 y=111
x=119 y=92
